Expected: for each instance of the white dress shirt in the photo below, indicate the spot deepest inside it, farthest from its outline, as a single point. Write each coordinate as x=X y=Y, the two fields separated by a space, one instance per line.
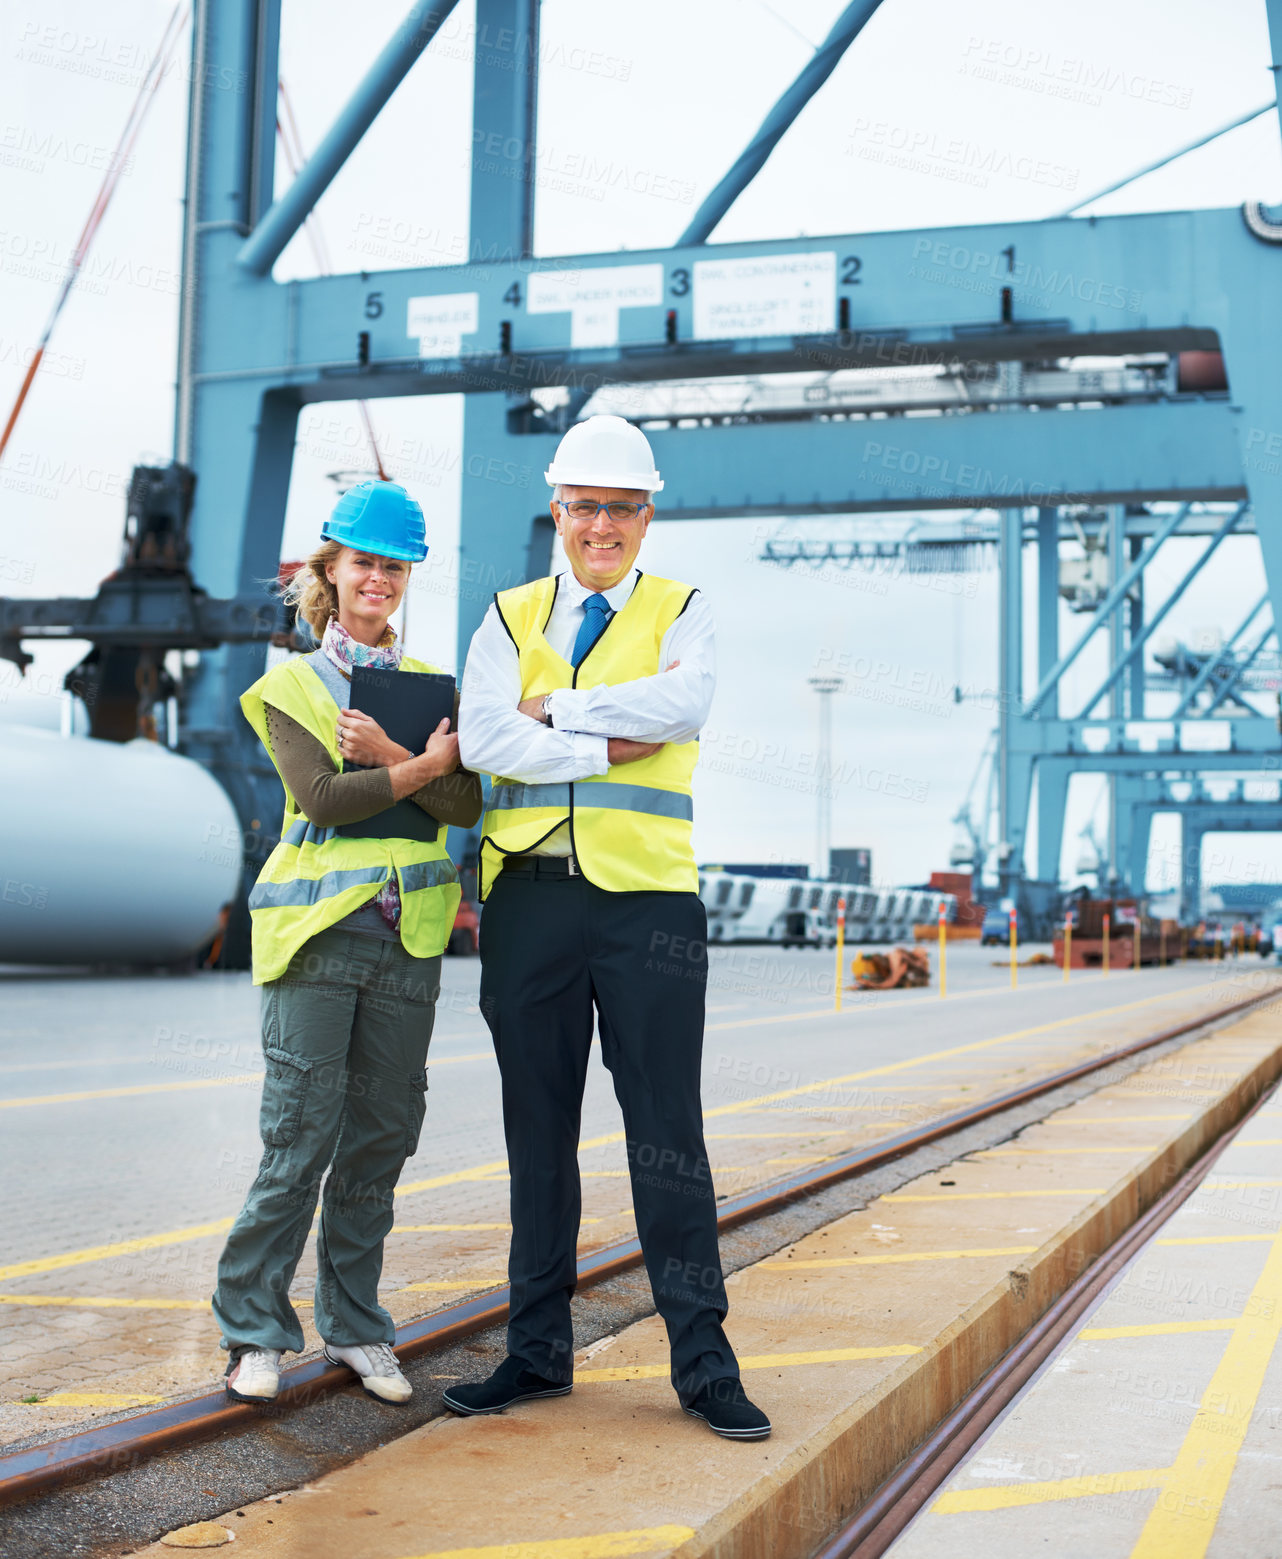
x=671 y=706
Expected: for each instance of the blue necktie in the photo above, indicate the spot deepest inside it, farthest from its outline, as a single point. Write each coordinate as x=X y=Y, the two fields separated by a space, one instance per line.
x=596 y=613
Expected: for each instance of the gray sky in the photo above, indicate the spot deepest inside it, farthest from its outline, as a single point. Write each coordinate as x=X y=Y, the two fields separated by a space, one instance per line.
x=662 y=98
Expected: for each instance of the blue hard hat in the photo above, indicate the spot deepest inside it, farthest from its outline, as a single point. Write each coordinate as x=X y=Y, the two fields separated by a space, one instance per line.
x=379 y=517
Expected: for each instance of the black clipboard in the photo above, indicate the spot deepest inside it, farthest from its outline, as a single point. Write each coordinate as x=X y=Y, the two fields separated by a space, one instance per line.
x=409 y=705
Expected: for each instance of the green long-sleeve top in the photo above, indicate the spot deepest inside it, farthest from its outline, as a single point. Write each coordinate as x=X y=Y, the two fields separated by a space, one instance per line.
x=327 y=797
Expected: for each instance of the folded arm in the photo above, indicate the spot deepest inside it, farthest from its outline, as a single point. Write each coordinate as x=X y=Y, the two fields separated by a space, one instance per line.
x=671 y=706
x=496 y=738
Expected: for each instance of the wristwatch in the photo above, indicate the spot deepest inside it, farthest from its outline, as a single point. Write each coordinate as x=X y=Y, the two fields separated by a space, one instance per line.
x=544 y=711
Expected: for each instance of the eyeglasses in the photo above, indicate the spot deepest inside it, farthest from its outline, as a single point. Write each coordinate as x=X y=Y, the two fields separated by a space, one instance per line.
x=588 y=509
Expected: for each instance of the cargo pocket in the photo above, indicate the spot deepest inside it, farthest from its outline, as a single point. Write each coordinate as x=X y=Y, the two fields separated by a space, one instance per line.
x=417 y=1097
x=284 y=1097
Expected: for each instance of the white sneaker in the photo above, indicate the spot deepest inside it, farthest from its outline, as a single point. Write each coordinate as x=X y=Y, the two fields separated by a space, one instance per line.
x=255 y=1376
x=376 y=1365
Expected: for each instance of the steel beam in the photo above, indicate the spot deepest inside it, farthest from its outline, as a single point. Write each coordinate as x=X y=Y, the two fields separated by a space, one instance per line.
x=504 y=116
x=1109 y=605
x=777 y=122
x=269 y=238
x=1214 y=662
x=1135 y=648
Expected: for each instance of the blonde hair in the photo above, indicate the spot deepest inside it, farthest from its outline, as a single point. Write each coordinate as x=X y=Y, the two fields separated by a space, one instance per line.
x=313 y=594
x=310 y=591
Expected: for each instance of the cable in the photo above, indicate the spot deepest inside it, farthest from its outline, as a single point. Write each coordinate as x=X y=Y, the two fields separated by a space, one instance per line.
x=155 y=74
x=292 y=144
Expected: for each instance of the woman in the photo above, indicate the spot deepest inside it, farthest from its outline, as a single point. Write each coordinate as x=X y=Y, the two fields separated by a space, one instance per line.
x=347 y=941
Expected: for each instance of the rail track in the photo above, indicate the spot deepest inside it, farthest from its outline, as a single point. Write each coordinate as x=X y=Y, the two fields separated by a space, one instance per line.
x=99 y=1451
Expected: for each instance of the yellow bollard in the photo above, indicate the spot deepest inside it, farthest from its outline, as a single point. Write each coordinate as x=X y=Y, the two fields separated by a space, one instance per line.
x=1068 y=943
x=1107 y=927
x=841 y=946
x=943 y=955
x=1014 y=965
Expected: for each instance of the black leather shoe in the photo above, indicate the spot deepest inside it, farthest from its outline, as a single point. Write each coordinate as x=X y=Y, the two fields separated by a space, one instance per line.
x=513 y=1381
x=725 y=1408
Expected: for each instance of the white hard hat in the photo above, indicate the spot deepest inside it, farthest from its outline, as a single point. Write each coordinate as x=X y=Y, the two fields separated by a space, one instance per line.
x=604 y=452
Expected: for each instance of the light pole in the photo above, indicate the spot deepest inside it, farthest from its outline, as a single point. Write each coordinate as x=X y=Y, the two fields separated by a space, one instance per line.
x=825 y=687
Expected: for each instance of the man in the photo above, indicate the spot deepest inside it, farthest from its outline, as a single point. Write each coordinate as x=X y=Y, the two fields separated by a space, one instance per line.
x=583 y=696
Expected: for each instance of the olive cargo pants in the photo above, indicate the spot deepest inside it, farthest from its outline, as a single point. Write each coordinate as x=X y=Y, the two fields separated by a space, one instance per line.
x=345 y=1036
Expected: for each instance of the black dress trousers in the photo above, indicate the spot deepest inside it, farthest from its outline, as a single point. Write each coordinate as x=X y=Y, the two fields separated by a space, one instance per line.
x=552 y=950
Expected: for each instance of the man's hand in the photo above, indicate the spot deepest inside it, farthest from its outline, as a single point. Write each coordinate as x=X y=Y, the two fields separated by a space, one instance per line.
x=533 y=707
x=622 y=749
x=362 y=740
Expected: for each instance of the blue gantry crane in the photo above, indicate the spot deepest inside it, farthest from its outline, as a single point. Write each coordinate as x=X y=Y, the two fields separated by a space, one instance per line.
x=995 y=322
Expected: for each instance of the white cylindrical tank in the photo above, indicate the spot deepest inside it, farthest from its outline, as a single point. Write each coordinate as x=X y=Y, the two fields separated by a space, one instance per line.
x=109 y=852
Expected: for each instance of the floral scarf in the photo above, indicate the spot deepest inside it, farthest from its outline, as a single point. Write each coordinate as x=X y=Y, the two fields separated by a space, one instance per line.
x=346 y=652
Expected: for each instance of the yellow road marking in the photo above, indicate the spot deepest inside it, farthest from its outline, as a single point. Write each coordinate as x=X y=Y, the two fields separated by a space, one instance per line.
x=499 y=1166
x=121 y=1093
x=1236 y=1185
x=1181 y=1524
x=759 y=1361
x=456 y=1228
x=794 y=1017
x=1218 y=1239
x=894 y=1256
x=1008 y=1495
x=95 y=1399
x=1156 y=1329
x=753 y=1136
x=1111 y=1120
x=460 y=1283
x=1258 y=1142
x=473 y=1055
x=994 y=1196
x=1084 y=1019
x=73 y=1258
x=1130 y=1147
x=109 y=1302
x=604 y=1545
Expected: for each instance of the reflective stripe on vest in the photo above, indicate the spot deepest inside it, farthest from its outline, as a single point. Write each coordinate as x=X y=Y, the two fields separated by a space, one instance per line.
x=630 y=827
x=596 y=793
x=311 y=890
x=317 y=876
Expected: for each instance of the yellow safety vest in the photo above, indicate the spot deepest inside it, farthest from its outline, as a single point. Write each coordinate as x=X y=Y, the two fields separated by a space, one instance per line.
x=629 y=827
x=315 y=876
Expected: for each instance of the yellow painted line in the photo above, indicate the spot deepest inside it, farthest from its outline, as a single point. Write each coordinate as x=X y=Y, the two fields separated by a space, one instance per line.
x=1111 y=1120
x=498 y=1167
x=896 y=1256
x=1084 y=1019
x=475 y=1055
x=1218 y=1239
x=603 y=1545
x=1130 y=1147
x=795 y=1017
x=454 y=1228
x=1257 y=1142
x=1181 y=1524
x=73 y=1258
x=759 y=1361
x=994 y=1196
x=461 y=1283
x=1156 y=1329
x=1236 y=1185
x=94 y=1399
x=753 y=1136
x=123 y=1093
x=108 y=1302
x=1006 y=1496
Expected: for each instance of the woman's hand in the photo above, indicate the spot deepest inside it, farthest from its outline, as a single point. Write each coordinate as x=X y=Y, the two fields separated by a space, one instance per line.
x=362 y=740
x=441 y=751
x=439 y=757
